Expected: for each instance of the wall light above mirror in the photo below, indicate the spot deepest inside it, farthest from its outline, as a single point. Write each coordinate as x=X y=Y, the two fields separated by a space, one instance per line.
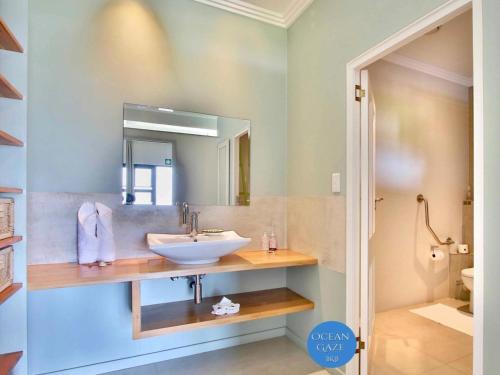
x=171 y=156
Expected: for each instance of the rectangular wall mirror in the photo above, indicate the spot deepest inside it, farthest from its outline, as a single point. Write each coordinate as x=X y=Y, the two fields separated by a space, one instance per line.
x=171 y=156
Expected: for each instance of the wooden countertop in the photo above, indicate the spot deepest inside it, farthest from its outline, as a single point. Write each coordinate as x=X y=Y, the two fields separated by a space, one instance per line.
x=62 y=275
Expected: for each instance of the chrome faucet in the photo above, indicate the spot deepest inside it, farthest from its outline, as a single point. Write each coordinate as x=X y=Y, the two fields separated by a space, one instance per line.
x=185 y=213
x=194 y=224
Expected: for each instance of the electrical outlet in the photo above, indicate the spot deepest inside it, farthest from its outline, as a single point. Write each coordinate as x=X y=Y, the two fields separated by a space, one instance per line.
x=335 y=182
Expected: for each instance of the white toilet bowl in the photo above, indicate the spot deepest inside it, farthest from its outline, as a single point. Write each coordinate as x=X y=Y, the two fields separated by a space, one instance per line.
x=468 y=279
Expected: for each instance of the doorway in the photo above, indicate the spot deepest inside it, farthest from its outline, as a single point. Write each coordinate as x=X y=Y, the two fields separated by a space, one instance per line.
x=420 y=198
x=361 y=304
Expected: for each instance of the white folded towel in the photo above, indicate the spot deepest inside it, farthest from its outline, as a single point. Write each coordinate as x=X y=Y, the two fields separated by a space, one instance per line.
x=88 y=243
x=107 y=249
x=225 y=307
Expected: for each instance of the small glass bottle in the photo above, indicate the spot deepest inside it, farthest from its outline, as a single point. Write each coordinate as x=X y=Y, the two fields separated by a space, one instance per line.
x=273 y=242
x=265 y=242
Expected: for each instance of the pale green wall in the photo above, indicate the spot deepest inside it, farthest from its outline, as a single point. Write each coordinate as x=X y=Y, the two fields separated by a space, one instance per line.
x=320 y=44
x=89 y=57
x=326 y=288
x=13 y=120
x=491 y=30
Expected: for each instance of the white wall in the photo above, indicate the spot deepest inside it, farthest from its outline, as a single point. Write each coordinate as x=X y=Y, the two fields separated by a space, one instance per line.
x=421 y=148
x=151 y=153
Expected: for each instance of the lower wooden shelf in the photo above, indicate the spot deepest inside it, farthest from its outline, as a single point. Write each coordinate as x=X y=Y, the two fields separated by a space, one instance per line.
x=8 y=362
x=154 y=320
x=9 y=292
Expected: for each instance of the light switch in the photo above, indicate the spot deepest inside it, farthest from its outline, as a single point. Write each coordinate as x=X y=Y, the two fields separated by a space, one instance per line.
x=335 y=182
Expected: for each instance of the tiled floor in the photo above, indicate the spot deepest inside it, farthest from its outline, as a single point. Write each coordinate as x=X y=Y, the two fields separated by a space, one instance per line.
x=406 y=343
x=278 y=356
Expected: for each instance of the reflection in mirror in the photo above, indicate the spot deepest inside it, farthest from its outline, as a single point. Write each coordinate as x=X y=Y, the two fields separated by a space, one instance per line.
x=170 y=157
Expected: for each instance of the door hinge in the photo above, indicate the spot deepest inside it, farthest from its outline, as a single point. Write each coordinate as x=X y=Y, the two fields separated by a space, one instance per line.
x=361 y=345
x=359 y=93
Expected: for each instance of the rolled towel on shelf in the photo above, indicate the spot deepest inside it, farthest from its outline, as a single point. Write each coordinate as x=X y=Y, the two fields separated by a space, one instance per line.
x=107 y=249
x=88 y=242
x=225 y=307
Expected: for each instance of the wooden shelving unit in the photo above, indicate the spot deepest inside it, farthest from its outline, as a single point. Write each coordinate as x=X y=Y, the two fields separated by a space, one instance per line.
x=10 y=190
x=8 y=362
x=9 y=42
x=8 y=140
x=9 y=292
x=10 y=241
x=7 y=90
x=7 y=39
x=155 y=320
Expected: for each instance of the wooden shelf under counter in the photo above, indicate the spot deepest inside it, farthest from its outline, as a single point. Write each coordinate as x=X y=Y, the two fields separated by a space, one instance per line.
x=62 y=275
x=160 y=319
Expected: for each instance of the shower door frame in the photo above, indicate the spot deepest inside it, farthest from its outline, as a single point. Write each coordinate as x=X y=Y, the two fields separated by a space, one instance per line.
x=358 y=178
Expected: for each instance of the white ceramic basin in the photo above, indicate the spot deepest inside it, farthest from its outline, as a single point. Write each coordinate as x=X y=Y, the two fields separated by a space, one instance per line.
x=208 y=248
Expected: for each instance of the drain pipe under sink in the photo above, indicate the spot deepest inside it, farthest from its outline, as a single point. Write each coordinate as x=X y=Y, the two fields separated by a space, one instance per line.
x=197 y=289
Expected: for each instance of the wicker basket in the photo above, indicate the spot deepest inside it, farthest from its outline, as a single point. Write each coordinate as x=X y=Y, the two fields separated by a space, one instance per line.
x=6 y=267
x=6 y=218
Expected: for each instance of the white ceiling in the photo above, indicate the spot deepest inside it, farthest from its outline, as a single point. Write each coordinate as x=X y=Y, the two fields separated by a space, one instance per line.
x=449 y=48
x=281 y=13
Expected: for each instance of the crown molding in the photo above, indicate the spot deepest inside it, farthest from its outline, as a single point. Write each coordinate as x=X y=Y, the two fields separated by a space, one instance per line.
x=294 y=11
x=432 y=70
x=296 y=8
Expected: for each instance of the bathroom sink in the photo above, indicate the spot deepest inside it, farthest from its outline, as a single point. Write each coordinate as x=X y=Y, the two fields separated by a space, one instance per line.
x=204 y=248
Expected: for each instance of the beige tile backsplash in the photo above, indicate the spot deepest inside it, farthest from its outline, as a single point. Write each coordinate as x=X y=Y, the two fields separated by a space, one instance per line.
x=316 y=226
x=52 y=223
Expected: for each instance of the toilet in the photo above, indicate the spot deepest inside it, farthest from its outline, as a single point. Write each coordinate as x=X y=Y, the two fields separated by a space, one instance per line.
x=468 y=279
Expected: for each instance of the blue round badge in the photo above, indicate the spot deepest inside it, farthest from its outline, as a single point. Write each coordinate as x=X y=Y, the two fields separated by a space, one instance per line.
x=331 y=344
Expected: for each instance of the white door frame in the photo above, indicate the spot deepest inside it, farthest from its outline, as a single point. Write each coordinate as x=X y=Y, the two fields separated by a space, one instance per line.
x=235 y=166
x=438 y=16
x=227 y=167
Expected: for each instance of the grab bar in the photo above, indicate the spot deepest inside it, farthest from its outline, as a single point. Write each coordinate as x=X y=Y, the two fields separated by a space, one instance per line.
x=449 y=241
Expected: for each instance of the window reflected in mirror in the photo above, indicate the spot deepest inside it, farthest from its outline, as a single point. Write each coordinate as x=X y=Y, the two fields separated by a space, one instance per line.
x=170 y=157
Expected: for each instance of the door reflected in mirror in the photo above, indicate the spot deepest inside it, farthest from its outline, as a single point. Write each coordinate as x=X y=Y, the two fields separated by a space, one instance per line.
x=171 y=156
